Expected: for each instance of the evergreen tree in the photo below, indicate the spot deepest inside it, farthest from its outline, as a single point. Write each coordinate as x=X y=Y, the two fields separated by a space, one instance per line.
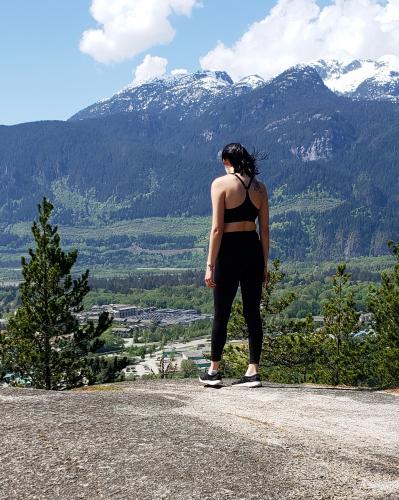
x=340 y=323
x=44 y=340
x=101 y=370
x=294 y=349
x=383 y=302
x=291 y=347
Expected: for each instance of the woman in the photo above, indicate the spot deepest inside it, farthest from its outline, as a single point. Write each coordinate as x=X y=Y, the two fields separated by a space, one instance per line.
x=237 y=255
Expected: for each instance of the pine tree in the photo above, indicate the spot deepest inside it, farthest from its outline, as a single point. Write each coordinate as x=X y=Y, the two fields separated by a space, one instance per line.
x=44 y=340
x=340 y=322
x=294 y=348
x=383 y=302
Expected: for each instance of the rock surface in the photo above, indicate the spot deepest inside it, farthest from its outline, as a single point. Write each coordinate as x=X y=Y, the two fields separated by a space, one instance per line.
x=175 y=439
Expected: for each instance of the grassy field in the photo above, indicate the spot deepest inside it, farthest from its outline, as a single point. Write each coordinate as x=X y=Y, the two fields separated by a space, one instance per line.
x=176 y=226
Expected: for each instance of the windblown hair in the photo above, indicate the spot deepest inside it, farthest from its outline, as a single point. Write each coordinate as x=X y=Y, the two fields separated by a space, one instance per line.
x=242 y=161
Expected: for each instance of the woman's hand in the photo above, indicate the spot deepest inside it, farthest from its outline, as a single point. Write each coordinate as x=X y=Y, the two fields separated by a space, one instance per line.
x=209 y=280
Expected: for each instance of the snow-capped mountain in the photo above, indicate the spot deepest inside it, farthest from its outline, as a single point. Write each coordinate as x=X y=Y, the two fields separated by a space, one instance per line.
x=182 y=92
x=193 y=94
x=248 y=83
x=362 y=78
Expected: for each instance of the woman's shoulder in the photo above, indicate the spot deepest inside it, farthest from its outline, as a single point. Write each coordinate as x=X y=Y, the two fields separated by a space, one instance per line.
x=261 y=187
x=260 y=183
x=221 y=180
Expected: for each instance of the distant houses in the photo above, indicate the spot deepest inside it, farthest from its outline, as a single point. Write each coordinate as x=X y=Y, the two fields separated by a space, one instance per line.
x=134 y=317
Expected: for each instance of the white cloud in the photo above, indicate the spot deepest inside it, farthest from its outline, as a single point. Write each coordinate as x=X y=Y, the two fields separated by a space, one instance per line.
x=300 y=31
x=129 y=27
x=179 y=71
x=151 y=67
x=154 y=67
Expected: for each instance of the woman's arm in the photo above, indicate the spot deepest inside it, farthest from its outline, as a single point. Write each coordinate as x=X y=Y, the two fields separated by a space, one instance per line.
x=263 y=218
x=215 y=237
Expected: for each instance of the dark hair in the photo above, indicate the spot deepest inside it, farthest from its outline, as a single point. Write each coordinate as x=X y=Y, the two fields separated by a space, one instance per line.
x=242 y=161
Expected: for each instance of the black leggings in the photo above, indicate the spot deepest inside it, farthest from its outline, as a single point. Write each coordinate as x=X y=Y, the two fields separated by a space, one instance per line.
x=239 y=261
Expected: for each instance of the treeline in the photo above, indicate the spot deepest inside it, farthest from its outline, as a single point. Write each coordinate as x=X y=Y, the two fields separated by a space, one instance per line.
x=176 y=297
x=148 y=241
x=148 y=281
x=173 y=333
x=186 y=289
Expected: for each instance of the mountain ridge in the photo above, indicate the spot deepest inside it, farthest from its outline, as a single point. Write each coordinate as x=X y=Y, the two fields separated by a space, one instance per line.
x=358 y=79
x=341 y=152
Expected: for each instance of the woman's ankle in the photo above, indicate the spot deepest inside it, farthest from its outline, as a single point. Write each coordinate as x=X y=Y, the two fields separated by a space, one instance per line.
x=251 y=370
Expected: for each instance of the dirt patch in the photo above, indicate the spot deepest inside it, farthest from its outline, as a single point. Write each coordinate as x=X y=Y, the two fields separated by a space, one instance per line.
x=393 y=391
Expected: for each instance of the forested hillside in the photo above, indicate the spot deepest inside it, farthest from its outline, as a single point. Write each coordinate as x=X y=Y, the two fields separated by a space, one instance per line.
x=332 y=170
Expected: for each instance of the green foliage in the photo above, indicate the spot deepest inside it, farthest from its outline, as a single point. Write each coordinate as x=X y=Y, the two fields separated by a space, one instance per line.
x=177 y=297
x=44 y=340
x=189 y=368
x=101 y=370
x=234 y=360
x=384 y=344
x=340 y=350
x=295 y=351
x=111 y=342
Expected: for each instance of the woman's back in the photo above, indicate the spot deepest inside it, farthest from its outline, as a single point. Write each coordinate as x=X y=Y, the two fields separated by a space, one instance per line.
x=235 y=192
x=243 y=199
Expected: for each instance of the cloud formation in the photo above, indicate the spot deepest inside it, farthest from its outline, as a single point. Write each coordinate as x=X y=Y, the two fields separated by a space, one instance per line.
x=129 y=27
x=300 y=31
x=179 y=71
x=154 y=67
x=151 y=67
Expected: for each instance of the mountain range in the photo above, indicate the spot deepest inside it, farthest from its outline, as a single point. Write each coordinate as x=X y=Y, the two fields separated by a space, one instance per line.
x=186 y=93
x=330 y=130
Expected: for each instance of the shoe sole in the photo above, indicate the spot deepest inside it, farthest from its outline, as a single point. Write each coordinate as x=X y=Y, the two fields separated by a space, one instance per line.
x=248 y=384
x=210 y=382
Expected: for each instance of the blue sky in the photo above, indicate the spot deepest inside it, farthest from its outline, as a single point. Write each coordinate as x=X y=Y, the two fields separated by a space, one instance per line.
x=45 y=74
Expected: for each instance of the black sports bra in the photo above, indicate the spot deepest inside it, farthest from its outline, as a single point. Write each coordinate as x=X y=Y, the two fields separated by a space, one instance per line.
x=244 y=212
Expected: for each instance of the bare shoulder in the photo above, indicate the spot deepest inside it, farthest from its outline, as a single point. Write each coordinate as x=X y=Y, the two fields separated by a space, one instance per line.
x=262 y=187
x=219 y=182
